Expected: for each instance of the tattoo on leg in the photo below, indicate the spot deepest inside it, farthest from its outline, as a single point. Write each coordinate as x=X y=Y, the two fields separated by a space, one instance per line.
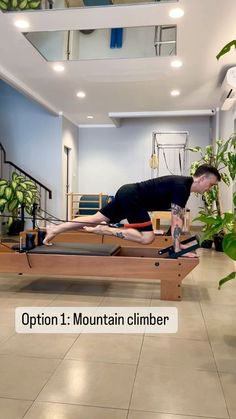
x=177 y=232
x=177 y=210
x=120 y=235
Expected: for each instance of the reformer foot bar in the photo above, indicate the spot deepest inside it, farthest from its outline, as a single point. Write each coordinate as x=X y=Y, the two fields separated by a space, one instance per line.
x=102 y=260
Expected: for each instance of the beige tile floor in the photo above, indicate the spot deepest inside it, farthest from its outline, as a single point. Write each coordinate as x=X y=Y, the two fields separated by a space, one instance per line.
x=188 y=375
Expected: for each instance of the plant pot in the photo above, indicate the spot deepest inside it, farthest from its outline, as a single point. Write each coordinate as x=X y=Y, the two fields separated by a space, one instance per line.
x=207 y=244
x=218 y=241
x=16 y=227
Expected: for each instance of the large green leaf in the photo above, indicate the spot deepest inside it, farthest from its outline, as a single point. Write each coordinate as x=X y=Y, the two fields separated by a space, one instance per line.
x=226 y=49
x=13 y=205
x=2 y=189
x=20 y=196
x=226 y=279
x=229 y=245
x=14 y=176
x=2 y=202
x=29 y=183
x=8 y=193
x=13 y=184
x=234 y=198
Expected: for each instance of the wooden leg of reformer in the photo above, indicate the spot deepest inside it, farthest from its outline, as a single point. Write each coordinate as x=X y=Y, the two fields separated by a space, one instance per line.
x=171 y=290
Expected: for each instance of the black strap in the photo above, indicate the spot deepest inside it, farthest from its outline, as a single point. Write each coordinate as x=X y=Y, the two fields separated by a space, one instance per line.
x=174 y=255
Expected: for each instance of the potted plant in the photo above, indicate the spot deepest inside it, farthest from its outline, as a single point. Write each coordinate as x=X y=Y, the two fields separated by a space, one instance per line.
x=229 y=246
x=10 y=5
x=205 y=212
x=224 y=159
x=16 y=196
x=229 y=241
x=216 y=226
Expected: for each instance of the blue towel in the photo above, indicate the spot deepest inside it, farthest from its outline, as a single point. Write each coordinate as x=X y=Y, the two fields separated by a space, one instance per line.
x=116 y=38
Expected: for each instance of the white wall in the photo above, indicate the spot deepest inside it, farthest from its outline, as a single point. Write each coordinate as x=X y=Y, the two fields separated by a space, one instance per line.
x=32 y=138
x=110 y=157
x=69 y=140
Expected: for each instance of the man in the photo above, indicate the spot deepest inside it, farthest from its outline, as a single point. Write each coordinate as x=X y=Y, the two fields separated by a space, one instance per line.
x=133 y=201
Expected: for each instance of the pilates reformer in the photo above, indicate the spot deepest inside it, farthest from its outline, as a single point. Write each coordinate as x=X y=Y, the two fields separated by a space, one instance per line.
x=104 y=260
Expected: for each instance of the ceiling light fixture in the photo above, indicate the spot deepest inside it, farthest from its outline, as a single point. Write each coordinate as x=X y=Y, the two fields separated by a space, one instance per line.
x=21 y=24
x=80 y=94
x=175 y=93
x=90 y=117
x=176 y=63
x=58 y=67
x=176 y=13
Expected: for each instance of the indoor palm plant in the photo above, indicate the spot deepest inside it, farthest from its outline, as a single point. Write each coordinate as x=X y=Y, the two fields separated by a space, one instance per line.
x=229 y=241
x=226 y=224
x=7 y=5
x=224 y=159
x=16 y=195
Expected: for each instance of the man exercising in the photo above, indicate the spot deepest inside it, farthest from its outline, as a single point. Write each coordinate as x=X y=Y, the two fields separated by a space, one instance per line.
x=133 y=201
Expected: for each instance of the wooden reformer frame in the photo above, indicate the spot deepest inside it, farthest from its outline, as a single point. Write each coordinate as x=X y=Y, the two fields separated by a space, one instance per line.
x=131 y=263
x=84 y=237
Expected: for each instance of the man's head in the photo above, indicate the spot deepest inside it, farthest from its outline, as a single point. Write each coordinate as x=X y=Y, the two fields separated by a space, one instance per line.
x=205 y=177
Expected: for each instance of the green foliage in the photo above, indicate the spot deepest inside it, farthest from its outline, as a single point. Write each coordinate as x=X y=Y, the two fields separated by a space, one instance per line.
x=227 y=278
x=216 y=224
x=229 y=245
x=224 y=159
x=15 y=192
x=229 y=242
x=7 y=5
x=226 y=49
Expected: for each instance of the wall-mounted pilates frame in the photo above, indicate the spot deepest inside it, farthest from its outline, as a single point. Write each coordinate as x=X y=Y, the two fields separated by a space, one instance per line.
x=169 y=151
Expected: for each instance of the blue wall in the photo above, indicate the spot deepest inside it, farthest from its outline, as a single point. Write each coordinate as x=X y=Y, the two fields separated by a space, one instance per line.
x=32 y=138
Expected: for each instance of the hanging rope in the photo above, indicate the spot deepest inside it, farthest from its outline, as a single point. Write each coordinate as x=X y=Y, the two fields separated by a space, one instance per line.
x=164 y=155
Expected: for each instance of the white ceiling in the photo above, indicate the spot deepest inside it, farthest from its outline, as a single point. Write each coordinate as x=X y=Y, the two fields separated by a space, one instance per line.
x=127 y=85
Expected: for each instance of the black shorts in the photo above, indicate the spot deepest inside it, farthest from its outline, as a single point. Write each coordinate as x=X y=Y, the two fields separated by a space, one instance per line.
x=127 y=204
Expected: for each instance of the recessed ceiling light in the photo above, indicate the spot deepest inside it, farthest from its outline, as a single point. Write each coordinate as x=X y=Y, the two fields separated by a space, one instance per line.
x=58 y=67
x=175 y=93
x=90 y=116
x=81 y=94
x=176 y=63
x=22 y=24
x=176 y=13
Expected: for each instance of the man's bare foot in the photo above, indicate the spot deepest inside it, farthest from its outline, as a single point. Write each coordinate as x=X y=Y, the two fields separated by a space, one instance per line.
x=190 y=255
x=50 y=234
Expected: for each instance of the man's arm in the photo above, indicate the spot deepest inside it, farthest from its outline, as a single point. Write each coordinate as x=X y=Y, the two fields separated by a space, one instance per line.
x=177 y=222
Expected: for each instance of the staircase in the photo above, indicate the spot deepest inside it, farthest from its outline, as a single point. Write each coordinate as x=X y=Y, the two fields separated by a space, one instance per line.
x=7 y=168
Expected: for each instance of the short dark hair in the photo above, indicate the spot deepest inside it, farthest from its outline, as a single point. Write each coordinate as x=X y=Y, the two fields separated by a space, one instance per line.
x=206 y=169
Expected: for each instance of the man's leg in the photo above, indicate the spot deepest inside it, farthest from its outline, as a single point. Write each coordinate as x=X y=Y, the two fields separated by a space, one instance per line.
x=143 y=237
x=79 y=222
x=141 y=234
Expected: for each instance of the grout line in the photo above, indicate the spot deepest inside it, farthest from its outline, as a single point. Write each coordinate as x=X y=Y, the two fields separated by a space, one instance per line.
x=217 y=371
